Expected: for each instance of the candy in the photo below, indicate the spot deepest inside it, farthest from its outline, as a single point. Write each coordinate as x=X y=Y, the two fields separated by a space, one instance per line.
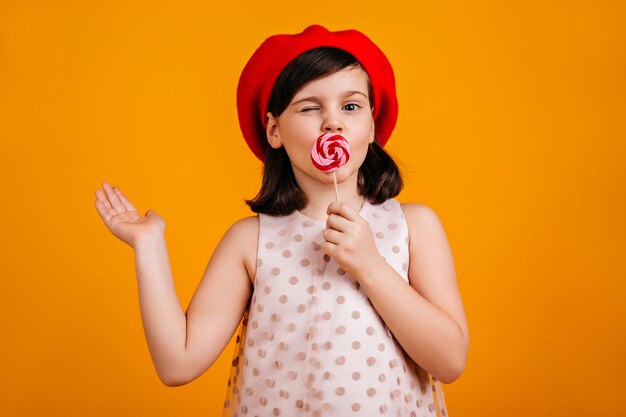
x=329 y=152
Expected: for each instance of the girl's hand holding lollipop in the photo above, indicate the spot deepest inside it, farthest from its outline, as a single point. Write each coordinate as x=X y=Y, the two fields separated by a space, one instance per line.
x=347 y=237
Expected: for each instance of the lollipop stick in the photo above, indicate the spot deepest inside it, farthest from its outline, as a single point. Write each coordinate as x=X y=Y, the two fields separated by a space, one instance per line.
x=336 y=189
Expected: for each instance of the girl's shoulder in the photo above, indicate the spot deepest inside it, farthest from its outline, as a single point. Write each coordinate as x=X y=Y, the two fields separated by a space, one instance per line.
x=423 y=222
x=242 y=236
x=427 y=235
x=418 y=217
x=418 y=212
x=245 y=227
x=244 y=232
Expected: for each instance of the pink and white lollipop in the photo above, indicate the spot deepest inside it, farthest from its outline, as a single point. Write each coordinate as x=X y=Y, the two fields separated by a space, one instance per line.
x=329 y=152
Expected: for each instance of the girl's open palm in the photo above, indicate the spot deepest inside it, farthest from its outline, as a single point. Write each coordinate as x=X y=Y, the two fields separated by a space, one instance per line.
x=123 y=219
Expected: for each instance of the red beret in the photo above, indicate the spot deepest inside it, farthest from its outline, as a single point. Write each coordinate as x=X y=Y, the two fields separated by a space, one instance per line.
x=260 y=73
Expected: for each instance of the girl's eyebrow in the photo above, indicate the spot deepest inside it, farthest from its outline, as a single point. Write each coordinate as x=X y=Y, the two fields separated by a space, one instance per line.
x=315 y=98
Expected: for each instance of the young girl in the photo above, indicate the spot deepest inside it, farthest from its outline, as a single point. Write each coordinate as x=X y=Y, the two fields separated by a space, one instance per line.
x=347 y=306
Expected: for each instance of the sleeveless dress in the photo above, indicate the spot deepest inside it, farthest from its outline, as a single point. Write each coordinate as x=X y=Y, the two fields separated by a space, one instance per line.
x=311 y=343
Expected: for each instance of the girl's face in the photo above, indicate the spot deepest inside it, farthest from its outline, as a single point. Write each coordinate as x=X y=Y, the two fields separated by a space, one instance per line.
x=335 y=103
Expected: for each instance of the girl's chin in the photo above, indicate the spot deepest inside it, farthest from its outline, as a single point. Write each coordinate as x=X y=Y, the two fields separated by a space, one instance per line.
x=341 y=174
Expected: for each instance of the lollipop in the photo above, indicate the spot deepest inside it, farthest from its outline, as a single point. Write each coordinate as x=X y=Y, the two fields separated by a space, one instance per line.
x=329 y=152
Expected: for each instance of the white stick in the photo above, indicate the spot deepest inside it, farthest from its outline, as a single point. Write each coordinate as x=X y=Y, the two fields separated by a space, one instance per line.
x=336 y=189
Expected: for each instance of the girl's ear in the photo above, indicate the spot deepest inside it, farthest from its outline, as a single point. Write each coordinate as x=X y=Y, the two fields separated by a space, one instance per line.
x=372 y=136
x=272 y=132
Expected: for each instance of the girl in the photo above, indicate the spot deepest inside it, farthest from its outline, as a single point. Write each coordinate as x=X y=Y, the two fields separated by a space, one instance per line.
x=347 y=306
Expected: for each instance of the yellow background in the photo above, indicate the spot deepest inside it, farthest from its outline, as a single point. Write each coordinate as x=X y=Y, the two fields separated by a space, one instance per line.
x=511 y=127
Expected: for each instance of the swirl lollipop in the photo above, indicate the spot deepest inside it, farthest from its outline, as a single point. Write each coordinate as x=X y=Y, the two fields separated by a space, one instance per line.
x=329 y=152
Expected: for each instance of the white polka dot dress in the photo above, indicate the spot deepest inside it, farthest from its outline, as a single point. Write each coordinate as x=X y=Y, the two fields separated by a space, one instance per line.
x=311 y=343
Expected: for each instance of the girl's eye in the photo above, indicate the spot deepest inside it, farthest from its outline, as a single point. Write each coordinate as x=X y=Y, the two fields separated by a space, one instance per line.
x=351 y=107
x=308 y=109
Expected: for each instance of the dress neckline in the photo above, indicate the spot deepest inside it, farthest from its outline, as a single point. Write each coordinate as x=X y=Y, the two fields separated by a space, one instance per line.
x=298 y=212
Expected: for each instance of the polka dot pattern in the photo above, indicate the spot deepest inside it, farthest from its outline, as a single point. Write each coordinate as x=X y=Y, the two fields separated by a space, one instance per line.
x=315 y=345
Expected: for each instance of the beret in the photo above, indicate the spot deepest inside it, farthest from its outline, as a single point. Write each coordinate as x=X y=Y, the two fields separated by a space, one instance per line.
x=272 y=56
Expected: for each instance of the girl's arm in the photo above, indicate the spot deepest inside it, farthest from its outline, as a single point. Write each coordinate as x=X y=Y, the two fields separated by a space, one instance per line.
x=426 y=316
x=184 y=345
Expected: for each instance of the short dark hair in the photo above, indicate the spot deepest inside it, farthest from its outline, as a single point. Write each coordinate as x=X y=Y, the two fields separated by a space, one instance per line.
x=379 y=177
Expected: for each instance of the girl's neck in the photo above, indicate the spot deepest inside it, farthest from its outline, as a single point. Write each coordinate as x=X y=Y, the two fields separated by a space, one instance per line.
x=320 y=195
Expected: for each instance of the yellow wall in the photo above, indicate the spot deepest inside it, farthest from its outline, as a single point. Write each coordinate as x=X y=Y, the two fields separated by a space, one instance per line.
x=511 y=128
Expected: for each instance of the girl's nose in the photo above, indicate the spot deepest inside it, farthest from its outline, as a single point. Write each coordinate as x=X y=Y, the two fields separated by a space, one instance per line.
x=332 y=123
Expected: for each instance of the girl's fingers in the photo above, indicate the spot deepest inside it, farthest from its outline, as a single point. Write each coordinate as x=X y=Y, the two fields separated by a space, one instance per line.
x=124 y=200
x=335 y=221
x=331 y=236
x=344 y=210
x=114 y=200
x=103 y=211
x=102 y=198
x=328 y=248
